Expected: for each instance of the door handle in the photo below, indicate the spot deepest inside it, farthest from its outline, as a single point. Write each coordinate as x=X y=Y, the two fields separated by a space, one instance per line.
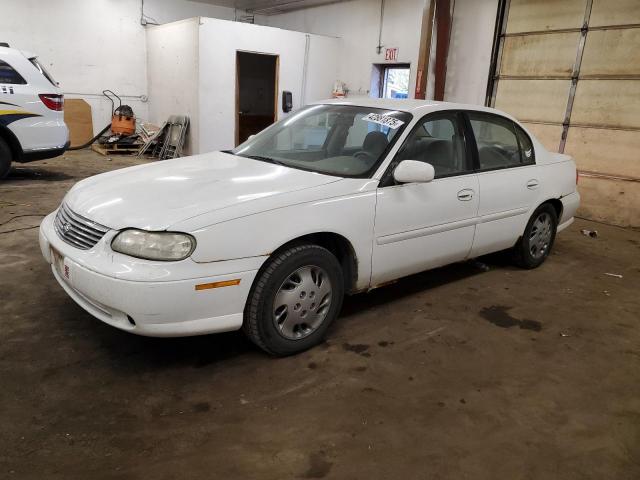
x=533 y=184
x=465 y=195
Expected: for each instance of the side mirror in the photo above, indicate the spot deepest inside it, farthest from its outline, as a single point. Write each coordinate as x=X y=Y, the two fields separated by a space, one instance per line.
x=412 y=171
x=251 y=136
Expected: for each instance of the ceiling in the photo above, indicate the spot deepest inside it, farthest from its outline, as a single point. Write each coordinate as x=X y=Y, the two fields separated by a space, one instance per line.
x=269 y=7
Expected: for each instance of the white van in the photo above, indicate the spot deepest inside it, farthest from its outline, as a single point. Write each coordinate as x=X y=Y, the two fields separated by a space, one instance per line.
x=31 y=119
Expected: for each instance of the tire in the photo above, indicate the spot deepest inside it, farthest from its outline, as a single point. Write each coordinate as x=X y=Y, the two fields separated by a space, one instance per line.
x=536 y=242
x=5 y=159
x=294 y=299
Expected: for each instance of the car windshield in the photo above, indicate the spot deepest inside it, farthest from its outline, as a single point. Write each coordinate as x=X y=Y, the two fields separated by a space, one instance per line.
x=341 y=140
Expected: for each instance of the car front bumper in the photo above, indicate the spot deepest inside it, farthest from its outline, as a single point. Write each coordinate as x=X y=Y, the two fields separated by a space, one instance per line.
x=157 y=299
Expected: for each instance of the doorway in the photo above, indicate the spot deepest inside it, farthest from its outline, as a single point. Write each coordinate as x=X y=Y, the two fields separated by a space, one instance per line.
x=390 y=80
x=256 y=93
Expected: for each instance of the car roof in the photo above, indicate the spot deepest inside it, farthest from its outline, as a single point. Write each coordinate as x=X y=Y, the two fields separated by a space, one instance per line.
x=417 y=107
x=10 y=51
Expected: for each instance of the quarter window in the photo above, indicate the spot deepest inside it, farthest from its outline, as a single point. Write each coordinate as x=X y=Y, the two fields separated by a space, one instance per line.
x=9 y=76
x=527 y=155
x=501 y=143
x=437 y=141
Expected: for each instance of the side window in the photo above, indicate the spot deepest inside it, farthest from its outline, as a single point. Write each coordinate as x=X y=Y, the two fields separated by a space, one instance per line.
x=437 y=141
x=9 y=76
x=501 y=144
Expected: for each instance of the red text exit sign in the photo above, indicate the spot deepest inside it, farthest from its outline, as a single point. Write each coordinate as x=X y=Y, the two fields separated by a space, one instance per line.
x=391 y=54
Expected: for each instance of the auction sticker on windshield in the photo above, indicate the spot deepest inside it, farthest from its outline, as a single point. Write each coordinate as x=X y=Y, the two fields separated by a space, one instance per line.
x=384 y=120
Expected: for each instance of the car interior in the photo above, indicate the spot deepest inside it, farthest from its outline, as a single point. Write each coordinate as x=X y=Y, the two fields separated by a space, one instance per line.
x=436 y=142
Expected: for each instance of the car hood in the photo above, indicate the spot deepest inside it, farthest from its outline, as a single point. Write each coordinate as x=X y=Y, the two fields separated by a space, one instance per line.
x=158 y=195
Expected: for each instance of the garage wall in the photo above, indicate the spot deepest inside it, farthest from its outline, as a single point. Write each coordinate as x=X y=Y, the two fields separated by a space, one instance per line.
x=92 y=45
x=219 y=40
x=571 y=71
x=469 y=59
x=357 y=23
x=172 y=65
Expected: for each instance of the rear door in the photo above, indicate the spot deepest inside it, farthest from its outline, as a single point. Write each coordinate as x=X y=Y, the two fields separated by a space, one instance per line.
x=425 y=225
x=508 y=177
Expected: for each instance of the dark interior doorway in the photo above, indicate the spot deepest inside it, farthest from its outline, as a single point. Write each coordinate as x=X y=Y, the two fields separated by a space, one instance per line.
x=256 y=93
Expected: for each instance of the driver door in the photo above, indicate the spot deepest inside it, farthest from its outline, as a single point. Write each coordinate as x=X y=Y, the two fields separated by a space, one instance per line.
x=419 y=226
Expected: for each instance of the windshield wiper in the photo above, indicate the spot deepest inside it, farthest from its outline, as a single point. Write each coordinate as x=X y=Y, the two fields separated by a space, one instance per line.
x=264 y=159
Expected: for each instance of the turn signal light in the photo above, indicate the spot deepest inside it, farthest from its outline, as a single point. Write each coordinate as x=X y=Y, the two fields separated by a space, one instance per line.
x=52 y=101
x=224 y=283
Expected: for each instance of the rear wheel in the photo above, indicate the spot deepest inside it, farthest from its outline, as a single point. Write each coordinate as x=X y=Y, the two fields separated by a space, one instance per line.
x=294 y=300
x=534 y=246
x=5 y=158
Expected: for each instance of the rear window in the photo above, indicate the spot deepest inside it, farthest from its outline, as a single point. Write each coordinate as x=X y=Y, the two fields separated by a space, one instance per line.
x=43 y=71
x=8 y=75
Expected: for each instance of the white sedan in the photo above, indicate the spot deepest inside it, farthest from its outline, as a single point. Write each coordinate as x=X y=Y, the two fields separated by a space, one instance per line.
x=340 y=197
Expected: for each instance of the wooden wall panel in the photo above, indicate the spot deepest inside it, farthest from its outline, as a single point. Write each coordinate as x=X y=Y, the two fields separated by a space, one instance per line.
x=549 y=135
x=612 y=52
x=610 y=201
x=614 y=12
x=539 y=15
x=610 y=103
x=534 y=100
x=550 y=54
x=612 y=152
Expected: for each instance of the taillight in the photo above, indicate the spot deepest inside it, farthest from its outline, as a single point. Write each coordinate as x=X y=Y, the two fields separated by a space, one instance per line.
x=52 y=101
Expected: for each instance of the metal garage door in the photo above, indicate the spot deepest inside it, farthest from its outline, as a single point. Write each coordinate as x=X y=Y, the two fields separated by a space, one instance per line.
x=570 y=70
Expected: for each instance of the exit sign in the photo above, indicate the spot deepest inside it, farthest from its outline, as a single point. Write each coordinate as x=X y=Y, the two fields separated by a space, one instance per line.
x=391 y=54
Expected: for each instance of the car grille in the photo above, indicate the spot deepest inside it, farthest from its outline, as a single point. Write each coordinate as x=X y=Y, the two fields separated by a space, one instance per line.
x=76 y=230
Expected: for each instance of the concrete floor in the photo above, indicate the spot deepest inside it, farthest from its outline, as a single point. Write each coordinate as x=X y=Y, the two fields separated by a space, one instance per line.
x=461 y=372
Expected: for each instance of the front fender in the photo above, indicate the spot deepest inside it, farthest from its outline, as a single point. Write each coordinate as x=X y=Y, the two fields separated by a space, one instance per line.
x=260 y=234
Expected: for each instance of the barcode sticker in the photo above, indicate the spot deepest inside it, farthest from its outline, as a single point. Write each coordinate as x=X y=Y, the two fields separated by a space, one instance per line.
x=385 y=120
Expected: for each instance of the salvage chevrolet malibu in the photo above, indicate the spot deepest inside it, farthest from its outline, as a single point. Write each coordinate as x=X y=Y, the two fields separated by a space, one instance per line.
x=339 y=197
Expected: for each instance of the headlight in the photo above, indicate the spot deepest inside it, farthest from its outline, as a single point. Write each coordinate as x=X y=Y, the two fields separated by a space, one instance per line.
x=165 y=246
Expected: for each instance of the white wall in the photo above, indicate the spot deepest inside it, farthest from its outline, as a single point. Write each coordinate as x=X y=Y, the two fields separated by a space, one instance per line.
x=92 y=45
x=357 y=23
x=219 y=40
x=172 y=65
x=322 y=68
x=165 y=11
x=470 y=51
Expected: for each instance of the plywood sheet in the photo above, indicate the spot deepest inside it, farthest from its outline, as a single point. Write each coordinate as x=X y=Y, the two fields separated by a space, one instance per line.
x=614 y=12
x=548 y=135
x=613 y=152
x=534 y=100
x=610 y=201
x=612 y=52
x=77 y=116
x=551 y=54
x=538 y=15
x=608 y=103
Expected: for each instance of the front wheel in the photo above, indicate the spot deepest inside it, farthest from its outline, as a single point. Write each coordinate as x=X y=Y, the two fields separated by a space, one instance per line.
x=534 y=246
x=294 y=300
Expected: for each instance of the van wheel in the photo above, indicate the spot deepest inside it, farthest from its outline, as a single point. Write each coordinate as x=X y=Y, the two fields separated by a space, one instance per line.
x=5 y=159
x=534 y=246
x=294 y=299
